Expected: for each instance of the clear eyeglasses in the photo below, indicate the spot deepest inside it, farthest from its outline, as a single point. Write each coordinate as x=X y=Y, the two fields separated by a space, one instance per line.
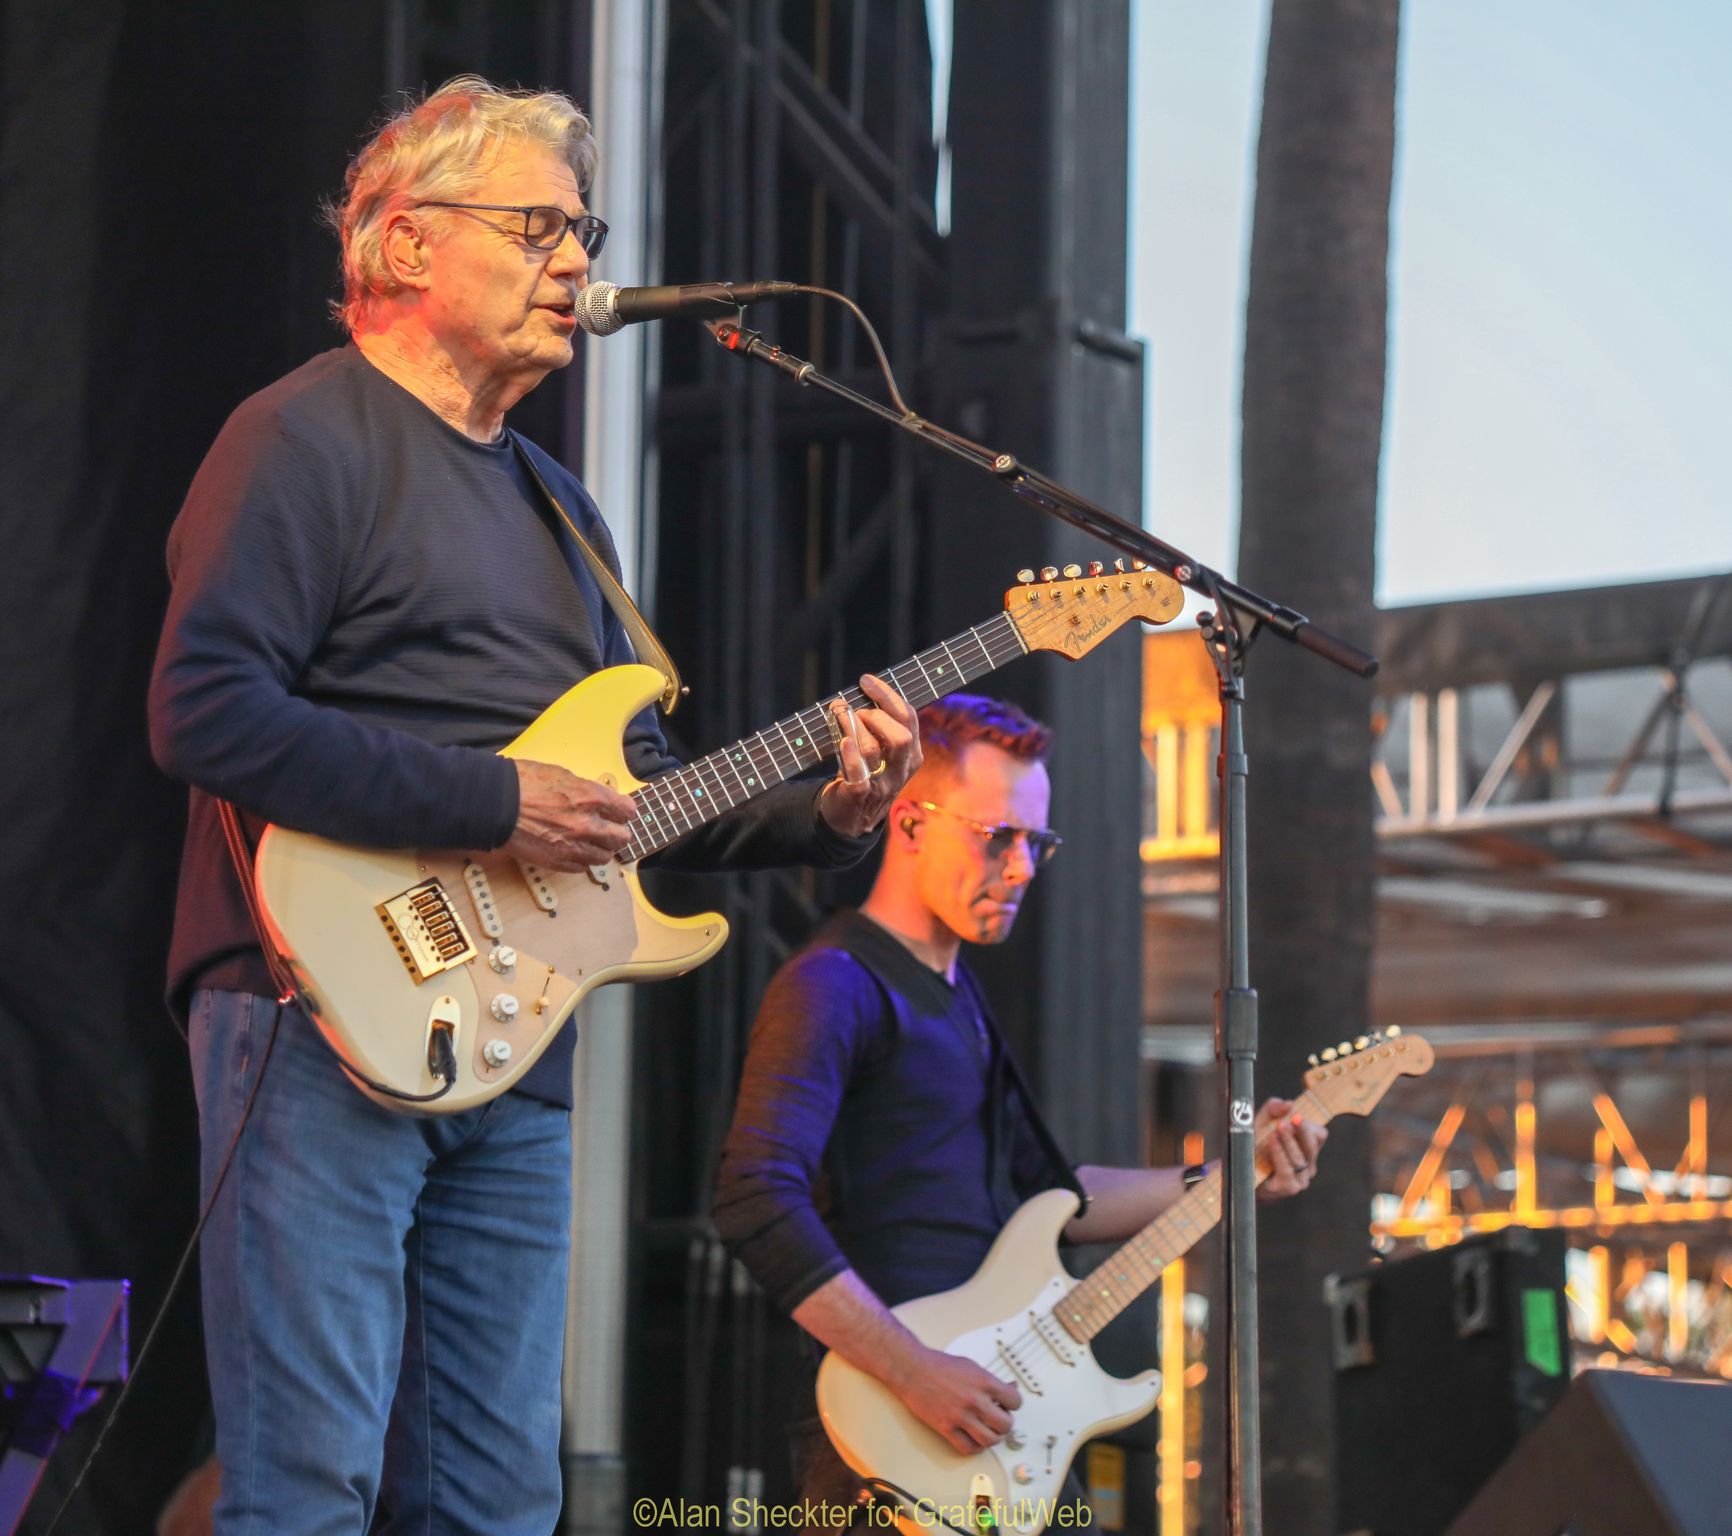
x=544 y=226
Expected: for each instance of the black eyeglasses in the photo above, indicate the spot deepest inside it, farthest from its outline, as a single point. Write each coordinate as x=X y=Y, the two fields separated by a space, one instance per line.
x=544 y=227
x=1001 y=836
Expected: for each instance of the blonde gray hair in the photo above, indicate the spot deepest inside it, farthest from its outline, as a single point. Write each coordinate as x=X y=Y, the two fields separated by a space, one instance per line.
x=441 y=148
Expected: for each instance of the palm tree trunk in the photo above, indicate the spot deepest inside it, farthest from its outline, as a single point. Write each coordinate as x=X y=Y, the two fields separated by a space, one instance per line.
x=1315 y=344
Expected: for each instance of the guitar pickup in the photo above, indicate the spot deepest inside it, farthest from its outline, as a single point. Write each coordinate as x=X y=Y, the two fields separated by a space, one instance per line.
x=429 y=935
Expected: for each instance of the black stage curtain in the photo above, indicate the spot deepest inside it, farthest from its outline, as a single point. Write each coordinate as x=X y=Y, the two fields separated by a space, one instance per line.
x=162 y=260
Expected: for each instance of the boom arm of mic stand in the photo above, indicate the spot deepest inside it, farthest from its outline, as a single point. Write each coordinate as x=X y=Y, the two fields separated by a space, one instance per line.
x=1249 y=609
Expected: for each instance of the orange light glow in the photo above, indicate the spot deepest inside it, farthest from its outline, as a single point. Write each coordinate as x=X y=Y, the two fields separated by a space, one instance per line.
x=1426 y=1172
x=1626 y=1143
x=1678 y=1300
x=1525 y=1201
x=1173 y=1384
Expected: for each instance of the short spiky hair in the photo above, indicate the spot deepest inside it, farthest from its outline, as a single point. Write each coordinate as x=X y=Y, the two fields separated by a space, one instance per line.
x=441 y=147
x=961 y=719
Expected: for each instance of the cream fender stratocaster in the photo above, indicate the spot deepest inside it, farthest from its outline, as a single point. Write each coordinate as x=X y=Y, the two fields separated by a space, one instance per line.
x=442 y=976
x=1027 y=1321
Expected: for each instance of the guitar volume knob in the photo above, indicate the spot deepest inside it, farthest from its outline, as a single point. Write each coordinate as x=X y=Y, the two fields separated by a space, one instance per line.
x=504 y=1008
x=496 y=1052
x=502 y=957
x=1022 y=1472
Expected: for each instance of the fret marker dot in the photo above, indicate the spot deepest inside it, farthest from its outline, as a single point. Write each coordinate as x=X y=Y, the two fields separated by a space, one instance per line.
x=697 y=794
x=750 y=779
x=799 y=741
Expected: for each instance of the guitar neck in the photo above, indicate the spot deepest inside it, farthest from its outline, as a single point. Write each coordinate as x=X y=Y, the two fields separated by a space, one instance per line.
x=1094 y=1302
x=673 y=804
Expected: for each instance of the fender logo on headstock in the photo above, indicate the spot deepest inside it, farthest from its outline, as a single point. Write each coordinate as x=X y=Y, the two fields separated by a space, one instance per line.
x=1077 y=641
x=1073 y=616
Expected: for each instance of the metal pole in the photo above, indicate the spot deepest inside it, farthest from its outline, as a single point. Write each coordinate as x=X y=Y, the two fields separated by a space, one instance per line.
x=624 y=45
x=1236 y=1050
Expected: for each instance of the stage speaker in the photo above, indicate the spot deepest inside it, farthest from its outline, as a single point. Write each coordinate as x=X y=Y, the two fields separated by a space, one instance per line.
x=1621 y=1455
x=1442 y=1362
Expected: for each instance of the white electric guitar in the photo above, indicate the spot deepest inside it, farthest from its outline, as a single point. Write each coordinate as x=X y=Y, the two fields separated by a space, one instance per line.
x=439 y=977
x=1027 y=1321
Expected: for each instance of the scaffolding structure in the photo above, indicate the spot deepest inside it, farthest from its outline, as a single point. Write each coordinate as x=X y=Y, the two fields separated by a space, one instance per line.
x=1551 y=791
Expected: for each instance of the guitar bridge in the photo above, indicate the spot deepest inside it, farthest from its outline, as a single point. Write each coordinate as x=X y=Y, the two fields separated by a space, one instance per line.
x=429 y=935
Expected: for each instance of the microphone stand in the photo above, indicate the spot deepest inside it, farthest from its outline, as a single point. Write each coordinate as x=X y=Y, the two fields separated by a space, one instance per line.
x=1240 y=615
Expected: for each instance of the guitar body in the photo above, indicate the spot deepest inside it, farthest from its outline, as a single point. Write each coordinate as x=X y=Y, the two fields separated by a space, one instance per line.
x=999 y=1319
x=570 y=932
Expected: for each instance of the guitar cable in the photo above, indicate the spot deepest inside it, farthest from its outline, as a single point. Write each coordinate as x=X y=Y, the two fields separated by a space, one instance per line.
x=178 y=1276
x=920 y=1509
x=441 y=1062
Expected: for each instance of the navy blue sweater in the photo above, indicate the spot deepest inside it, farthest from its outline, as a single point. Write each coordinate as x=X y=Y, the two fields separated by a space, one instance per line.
x=875 y=1129
x=366 y=606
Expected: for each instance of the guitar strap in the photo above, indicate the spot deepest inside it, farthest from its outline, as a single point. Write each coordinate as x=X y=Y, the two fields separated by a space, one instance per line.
x=649 y=649
x=1031 y=1112
x=1003 y=1069
x=242 y=855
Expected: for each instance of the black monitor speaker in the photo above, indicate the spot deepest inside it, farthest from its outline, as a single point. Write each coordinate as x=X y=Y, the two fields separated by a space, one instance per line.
x=1443 y=1361
x=1622 y=1455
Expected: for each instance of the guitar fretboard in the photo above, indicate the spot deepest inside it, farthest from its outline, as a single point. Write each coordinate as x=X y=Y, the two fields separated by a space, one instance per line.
x=1094 y=1302
x=672 y=804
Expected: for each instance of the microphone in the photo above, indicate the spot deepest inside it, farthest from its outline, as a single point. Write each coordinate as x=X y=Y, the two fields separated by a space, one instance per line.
x=602 y=308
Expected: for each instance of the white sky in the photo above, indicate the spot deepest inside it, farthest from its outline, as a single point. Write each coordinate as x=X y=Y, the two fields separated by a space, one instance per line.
x=1560 y=382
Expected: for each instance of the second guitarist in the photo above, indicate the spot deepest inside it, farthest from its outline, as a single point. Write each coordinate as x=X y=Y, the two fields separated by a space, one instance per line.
x=881 y=1137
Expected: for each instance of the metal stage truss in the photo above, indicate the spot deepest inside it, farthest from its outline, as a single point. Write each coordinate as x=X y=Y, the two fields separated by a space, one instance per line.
x=1552 y=793
x=795 y=142
x=796 y=544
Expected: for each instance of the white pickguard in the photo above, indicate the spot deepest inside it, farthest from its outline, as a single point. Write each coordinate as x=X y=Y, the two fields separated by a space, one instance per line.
x=1066 y=1397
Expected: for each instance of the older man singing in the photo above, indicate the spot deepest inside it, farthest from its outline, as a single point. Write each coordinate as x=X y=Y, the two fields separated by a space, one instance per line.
x=372 y=595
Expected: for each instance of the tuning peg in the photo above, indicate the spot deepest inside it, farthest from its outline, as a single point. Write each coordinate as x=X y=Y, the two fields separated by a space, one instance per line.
x=1119 y=564
x=1139 y=565
x=1362 y=1042
x=1312 y=1059
x=1049 y=573
x=1345 y=1048
x=1394 y=1031
x=1377 y=1036
x=1329 y=1053
x=1095 y=567
x=1025 y=575
x=1073 y=571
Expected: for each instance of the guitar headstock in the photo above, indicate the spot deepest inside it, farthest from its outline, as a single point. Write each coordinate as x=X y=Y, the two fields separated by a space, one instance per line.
x=1073 y=611
x=1350 y=1079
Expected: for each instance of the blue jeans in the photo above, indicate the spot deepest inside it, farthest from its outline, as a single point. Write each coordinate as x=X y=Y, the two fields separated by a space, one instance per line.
x=384 y=1295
